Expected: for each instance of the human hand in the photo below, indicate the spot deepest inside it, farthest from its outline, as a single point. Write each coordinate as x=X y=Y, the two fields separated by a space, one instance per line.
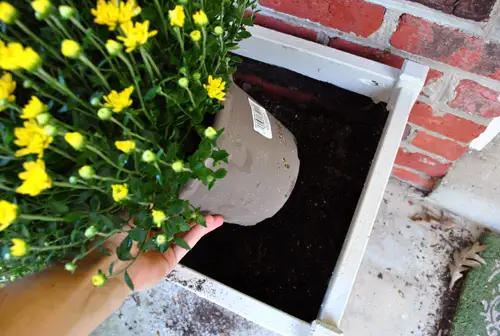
x=152 y=267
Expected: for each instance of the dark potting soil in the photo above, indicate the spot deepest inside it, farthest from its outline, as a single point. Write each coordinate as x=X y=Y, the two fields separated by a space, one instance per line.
x=287 y=260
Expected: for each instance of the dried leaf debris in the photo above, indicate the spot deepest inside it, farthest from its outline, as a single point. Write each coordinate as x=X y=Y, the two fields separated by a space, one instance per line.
x=464 y=261
x=436 y=218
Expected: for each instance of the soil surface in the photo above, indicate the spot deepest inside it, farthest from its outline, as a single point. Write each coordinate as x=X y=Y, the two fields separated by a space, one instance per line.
x=287 y=261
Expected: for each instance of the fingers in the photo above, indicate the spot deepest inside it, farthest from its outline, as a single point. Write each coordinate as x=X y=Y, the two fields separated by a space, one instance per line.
x=197 y=232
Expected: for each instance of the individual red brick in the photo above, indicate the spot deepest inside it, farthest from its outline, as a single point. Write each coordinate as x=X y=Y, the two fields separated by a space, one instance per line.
x=422 y=163
x=422 y=181
x=446 y=124
x=357 y=16
x=286 y=28
x=447 y=45
x=433 y=76
x=448 y=149
x=476 y=99
x=381 y=56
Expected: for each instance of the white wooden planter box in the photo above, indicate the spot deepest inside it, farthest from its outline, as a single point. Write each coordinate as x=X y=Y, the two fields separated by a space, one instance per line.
x=400 y=89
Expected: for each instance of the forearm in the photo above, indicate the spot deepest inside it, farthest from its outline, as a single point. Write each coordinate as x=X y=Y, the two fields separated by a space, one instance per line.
x=55 y=302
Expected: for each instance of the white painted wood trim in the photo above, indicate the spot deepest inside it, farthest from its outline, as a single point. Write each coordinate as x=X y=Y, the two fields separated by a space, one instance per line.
x=243 y=305
x=410 y=83
x=487 y=136
x=320 y=62
x=400 y=88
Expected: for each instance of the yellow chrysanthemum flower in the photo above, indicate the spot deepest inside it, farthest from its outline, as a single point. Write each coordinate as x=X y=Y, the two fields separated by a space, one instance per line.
x=195 y=35
x=98 y=279
x=135 y=35
x=112 y=14
x=177 y=16
x=35 y=178
x=7 y=88
x=10 y=54
x=120 y=192
x=33 y=108
x=71 y=49
x=119 y=101
x=200 y=18
x=8 y=13
x=126 y=146
x=19 y=247
x=75 y=139
x=158 y=217
x=33 y=138
x=128 y=10
x=215 y=88
x=41 y=6
x=8 y=214
x=30 y=60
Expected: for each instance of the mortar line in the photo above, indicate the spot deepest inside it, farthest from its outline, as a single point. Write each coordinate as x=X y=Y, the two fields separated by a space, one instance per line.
x=351 y=37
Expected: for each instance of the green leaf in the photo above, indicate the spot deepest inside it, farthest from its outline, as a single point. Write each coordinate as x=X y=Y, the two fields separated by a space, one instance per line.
x=137 y=234
x=182 y=243
x=123 y=251
x=128 y=281
x=220 y=173
x=58 y=207
x=152 y=93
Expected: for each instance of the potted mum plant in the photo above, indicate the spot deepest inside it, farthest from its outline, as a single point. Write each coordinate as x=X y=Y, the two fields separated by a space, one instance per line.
x=106 y=114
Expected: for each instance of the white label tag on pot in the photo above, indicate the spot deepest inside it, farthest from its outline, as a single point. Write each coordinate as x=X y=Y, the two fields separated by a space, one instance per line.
x=261 y=122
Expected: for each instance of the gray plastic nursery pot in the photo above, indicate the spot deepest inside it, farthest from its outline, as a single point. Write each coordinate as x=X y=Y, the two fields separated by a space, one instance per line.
x=262 y=169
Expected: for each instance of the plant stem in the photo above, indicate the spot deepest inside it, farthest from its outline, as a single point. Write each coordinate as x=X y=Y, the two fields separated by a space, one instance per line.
x=131 y=133
x=148 y=66
x=88 y=63
x=136 y=84
x=75 y=186
x=4 y=187
x=177 y=32
x=39 y=40
x=60 y=152
x=41 y=218
x=108 y=160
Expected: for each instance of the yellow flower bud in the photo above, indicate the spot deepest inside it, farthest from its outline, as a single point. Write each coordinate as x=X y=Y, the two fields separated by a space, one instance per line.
x=183 y=82
x=8 y=214
x=210 y=133
x=113 y=47
x=71 y=49
x=50 y=130
x=70 y=267
x=8 y=13
x=19 y=247
x=75 y=139
x=195 y=35
x=86 y=172
x=158 y=217
x=90 y=232
x=126 y=146
x=66 y=12
x=218 y=31
x=161 y=239
x=41 y=7
x=104 y=113
x=178 y=166
x=98 y=280
x=148 y=156
x=120 y=192
x=43 y=119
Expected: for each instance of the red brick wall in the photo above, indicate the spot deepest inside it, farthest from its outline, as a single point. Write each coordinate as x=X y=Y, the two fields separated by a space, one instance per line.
x=462 y=92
